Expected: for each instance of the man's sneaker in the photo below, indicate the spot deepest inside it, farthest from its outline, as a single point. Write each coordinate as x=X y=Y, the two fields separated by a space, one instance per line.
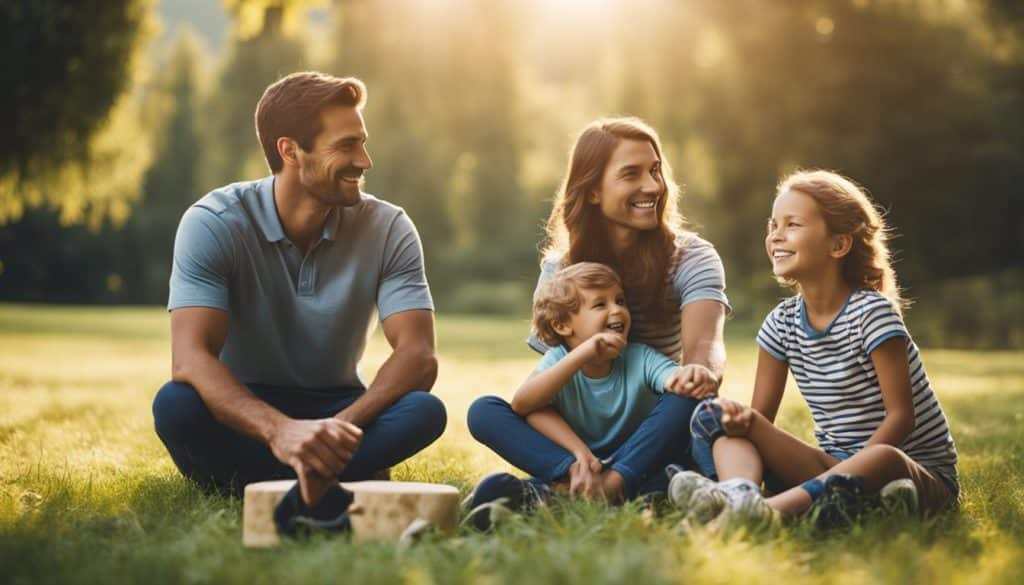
x=899 y=497
x=499 y=494
x=682 y=484
x=842 y=503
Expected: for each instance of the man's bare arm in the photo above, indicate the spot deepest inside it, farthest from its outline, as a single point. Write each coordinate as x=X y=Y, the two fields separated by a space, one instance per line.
x=412 y=365
x=197 y=336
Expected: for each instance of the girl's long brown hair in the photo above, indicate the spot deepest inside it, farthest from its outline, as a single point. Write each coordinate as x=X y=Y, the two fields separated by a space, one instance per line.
x=847 y=209
x=577 y=232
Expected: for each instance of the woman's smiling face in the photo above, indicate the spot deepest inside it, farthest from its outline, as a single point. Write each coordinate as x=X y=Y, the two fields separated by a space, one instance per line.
x=632 y=187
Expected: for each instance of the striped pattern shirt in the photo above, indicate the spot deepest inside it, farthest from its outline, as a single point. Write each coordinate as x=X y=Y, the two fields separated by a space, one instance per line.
x=697 y=275
x=837 y=378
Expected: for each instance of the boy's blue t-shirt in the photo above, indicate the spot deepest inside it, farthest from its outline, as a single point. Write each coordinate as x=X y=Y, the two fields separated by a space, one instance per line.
x=605 y=412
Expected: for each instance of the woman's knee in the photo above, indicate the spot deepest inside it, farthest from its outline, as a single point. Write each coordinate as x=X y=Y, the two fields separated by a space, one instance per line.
x=481 y=415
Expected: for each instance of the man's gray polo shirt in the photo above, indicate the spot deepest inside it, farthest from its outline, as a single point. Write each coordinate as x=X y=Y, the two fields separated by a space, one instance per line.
x=294 y=320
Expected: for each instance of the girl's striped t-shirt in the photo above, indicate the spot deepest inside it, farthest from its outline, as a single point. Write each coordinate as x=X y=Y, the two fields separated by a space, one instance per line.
x=837 y=378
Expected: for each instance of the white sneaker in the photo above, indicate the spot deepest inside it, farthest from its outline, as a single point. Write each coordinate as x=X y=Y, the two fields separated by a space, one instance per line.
x=682 y=485
x=745 y=507
x=900 y=497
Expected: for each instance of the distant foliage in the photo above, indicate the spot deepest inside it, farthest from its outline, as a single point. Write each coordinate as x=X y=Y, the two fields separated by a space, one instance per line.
x=72 y=137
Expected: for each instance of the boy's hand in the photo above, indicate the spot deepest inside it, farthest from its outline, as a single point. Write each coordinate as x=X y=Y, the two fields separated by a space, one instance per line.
x=605 y=346
x=693 y=380
x=736 y=417
x=585 y=477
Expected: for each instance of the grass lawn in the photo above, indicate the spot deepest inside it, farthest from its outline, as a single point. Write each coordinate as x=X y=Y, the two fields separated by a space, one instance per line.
x=87 y=493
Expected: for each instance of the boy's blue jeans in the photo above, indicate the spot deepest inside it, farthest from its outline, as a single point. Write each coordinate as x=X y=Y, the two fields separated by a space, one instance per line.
x=662 y=438
x=219 y=458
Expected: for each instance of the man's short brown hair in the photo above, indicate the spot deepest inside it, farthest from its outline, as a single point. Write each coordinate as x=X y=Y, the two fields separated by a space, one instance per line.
x=291 y=107
x=559 y=297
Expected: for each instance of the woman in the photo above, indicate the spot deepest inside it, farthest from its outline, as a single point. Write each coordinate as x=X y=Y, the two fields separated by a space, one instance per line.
x=618 y=206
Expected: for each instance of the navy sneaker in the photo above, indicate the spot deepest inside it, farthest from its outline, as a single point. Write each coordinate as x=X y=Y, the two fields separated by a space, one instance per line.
x=499 y=494
x=842 y=503
x=296 y=520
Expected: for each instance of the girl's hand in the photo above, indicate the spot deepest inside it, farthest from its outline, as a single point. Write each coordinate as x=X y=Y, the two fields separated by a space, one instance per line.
x=605 y=346
x=736 y=417
x=693 y=380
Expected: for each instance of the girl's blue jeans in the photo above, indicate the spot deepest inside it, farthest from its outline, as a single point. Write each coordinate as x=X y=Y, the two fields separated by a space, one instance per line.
x=662 y=438
x=217 y=457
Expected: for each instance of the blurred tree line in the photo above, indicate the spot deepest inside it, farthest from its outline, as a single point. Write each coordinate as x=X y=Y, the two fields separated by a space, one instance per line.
x=473 y=106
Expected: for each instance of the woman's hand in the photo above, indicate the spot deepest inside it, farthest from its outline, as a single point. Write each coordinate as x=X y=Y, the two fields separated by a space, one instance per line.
x=694 y=381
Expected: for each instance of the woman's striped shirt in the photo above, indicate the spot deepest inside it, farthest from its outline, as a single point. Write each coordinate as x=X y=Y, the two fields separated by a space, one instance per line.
x=697 y=275
x=837 y=378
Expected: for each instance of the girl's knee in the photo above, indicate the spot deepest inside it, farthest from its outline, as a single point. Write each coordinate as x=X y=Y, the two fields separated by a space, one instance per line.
x=886 y=455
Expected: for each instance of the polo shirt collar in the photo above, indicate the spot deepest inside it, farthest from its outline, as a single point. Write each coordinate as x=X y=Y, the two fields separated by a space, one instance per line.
x=270 y=223
x=265 y=211
x=331 y=224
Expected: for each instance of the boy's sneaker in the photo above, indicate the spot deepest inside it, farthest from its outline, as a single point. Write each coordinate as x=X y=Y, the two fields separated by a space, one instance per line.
x=899 y=497
x=842 y=503
x=682 y=484
x=499 y=494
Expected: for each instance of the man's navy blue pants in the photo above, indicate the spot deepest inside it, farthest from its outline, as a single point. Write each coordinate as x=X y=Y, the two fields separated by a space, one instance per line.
x=219 y=458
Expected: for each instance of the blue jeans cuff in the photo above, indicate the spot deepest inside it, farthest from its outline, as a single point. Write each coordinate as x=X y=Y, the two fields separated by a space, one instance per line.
x=706 y=423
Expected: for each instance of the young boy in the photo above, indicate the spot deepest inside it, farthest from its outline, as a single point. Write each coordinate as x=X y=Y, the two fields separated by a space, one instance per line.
x=594 y=417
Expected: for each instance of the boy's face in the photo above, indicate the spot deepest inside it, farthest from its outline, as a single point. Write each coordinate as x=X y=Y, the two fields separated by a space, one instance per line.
x=602 y=310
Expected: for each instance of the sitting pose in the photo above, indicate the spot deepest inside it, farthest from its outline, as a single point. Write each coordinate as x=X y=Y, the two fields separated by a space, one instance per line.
x=879 y=426
x=593 y=418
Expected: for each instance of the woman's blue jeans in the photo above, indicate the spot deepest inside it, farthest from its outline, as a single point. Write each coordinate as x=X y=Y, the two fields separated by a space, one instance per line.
x=662 y=438
x=219 y=458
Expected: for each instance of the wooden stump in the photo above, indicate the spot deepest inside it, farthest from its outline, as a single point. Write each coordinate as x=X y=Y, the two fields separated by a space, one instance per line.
x=384 y=510
x=381 y=510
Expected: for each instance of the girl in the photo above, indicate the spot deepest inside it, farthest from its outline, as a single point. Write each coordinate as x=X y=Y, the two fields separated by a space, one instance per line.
x=618 y=207
x=877 y=419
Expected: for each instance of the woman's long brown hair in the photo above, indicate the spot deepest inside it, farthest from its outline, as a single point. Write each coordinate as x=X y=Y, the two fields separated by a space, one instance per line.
x=577 y=232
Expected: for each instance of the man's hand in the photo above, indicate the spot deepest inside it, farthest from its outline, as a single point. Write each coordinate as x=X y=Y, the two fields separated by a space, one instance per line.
x=693 y=380
x=736 y=417
x=604 y=346
x=318 y=450
x=585 y=477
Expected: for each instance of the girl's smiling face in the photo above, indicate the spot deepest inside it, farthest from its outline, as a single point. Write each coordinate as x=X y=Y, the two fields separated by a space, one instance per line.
x=799 y=244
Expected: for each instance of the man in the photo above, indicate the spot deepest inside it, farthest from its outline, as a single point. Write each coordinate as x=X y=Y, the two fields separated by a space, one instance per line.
x=273 y=292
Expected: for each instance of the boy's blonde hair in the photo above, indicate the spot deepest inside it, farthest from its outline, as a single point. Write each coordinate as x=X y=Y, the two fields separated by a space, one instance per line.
x=847 y=209
x=559 y=297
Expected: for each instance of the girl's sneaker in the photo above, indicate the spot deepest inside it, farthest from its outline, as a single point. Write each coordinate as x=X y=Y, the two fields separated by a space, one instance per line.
x=899 y=497
x=842 y=503
x=499 y=494
x=746 y=507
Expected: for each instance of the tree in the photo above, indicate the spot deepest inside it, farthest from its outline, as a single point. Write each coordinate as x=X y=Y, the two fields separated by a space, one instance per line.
x=71 y=134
